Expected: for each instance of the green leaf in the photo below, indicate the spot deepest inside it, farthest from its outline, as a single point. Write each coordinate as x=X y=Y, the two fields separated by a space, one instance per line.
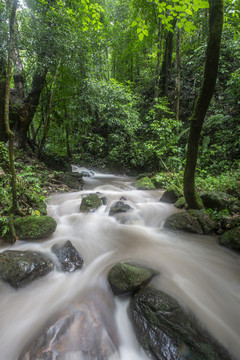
x=141 y=36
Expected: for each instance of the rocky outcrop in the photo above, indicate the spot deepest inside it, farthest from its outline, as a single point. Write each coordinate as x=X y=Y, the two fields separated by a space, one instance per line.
x=90 y=203
x=194 y=221
x=171 y=194
x=144 y=183
x=19 y=268
x=231 y=239
x=124 y=277
x=34 y=227
x=68 y=257
x=84 y=330
x=166 y=331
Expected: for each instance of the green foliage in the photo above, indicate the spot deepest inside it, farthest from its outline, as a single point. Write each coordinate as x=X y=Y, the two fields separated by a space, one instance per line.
x=4 y=158
x=217 y=215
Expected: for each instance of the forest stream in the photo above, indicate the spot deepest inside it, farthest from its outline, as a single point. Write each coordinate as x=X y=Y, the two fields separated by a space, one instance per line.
x=200 y=274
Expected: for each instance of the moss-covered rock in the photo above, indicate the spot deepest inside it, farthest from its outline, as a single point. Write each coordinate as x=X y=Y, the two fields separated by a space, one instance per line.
x=34 y=227
x=231 y=239
x=119 y=206
x=194 y=221
x=90 y=203
x=220 y=201
x=166 y=331
x=19 y=268
x=124 y=277
x=181 y=203
x=144 y=183
x=171 y=194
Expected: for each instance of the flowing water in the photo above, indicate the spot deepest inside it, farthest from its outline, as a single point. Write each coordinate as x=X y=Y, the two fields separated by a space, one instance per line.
x=195 y=270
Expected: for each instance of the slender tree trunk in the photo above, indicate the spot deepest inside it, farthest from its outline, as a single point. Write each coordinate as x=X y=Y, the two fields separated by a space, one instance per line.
x=157 y=78
x=10 y=134
x=167 y=60
x=203 y=101
x=178 y=74
x=3 y=135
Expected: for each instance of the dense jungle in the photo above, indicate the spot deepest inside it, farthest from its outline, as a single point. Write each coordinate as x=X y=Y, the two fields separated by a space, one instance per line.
x=106 y=105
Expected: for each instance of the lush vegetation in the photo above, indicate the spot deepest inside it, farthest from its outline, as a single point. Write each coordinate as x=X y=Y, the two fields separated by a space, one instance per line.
x=113 y=83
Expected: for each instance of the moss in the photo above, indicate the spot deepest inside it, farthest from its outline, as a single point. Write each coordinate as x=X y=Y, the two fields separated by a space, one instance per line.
x=34 y=227
x=144 y=184
x=231 y=239
x=90 y=203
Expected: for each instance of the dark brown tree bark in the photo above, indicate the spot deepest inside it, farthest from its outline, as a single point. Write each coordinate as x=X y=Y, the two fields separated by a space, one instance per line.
x=167 y=61
x=3 y=134
x=202 y=103
x=157 y=78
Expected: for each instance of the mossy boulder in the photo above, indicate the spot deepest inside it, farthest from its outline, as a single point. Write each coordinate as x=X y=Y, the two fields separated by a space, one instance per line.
x=166 y=331
x=34 y=227
x=124 y=277
x=144 y=183
x=220 y=201
x=68 y=257
x=90 y=203
x=18 y=268
x=231 y=239
x=119 y=206
x=193 y=221
x=171 y=194
x=181 y=203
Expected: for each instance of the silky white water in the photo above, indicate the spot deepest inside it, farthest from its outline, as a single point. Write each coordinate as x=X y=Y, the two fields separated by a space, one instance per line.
x=203 y=276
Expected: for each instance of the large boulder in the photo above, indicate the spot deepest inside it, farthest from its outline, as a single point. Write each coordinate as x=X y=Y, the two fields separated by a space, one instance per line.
x=166 y=331
x=119 y=206
x=90 y=203
x=68 y=257
x=124 y=277
x=34 y=227
x=144 y=183
x=220 y=201
x=84 y=330
x=231 y=239
x=193 y=221
x=19 y=268
x=171 y=194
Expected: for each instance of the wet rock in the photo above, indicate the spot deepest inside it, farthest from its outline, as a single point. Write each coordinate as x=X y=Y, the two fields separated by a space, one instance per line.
x=124 y=277
x=90 y=203
x=231 y=239
x=119 y=207
x=165 y=331
x=171 y=194
x=87 y=173
x=18 y=268
x=34 y=227
x=220 y=201
x=193 y=221
x=181 y=203
x=84 y=330
x=144 y=183
x=68 y=257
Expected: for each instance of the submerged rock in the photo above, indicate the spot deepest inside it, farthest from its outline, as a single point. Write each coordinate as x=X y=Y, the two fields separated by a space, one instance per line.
x=34 y=227
x=85 y=330
x=171 y=194
x=119 y=207
x=90 y=203
x=165 y=331
x=68 y=257
x=18 y=268
x=124 y=277
x=231 y=239
x=194 y=221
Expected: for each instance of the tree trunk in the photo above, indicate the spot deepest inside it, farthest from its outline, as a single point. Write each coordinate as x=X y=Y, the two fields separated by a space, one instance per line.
x=178 y=74
x=14 y=208
x=156 y=87
x=3 y=135
x=203 y=101
x=167 y=60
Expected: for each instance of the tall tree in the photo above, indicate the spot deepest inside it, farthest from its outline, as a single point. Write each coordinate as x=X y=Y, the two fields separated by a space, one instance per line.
x=216 y=12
